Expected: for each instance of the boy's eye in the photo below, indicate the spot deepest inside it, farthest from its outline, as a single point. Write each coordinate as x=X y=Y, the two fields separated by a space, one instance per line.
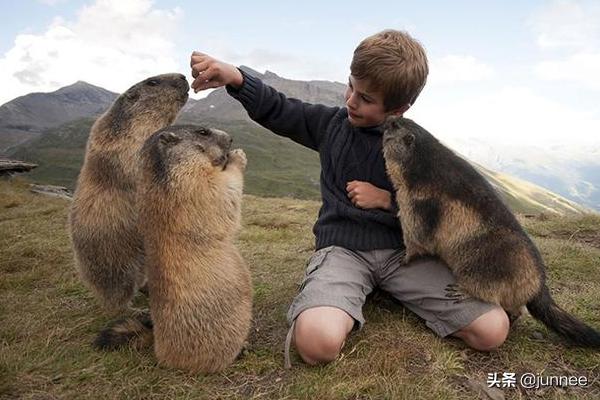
x=366 y=99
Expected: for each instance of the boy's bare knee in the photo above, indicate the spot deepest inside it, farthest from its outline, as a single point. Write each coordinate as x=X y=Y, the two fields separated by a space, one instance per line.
x=319 y=340
x=488 y=332
x=316 y=347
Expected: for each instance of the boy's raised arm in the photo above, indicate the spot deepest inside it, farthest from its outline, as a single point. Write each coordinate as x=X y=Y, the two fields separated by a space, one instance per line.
x=302 y=122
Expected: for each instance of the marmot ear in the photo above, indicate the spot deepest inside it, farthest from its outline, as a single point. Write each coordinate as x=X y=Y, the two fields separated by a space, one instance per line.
x=168 y=138
x=408 y=139
x=133 y=95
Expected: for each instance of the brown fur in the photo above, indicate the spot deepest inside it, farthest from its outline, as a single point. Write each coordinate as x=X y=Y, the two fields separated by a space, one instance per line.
x=103 y=218
x=190 y=213
x=449 y=210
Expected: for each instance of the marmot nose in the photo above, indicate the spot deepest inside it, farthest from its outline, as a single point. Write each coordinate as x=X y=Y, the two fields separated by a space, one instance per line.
x=221 y=160
x=181 y=82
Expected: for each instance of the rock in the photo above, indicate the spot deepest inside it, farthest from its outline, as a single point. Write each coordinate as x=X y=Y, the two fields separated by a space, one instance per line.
x=10 y=167
x=484 y=391
x=537 y=335
x=50 y=190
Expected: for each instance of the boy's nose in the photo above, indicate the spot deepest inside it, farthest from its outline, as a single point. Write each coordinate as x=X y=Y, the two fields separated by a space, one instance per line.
x=351 y=102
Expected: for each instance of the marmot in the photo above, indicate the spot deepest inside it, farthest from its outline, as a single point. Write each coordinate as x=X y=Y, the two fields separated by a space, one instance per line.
x=103 y=220
x=447 y=209
x=199 y=286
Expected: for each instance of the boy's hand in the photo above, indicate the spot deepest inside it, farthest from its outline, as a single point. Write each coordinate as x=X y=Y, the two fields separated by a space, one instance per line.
x=211 y=73
x=365 y=195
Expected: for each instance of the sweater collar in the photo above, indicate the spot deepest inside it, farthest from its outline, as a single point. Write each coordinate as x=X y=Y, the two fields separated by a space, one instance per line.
x=376 y=130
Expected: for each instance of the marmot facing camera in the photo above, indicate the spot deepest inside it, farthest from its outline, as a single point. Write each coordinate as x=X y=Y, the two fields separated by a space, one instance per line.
x=190 y=213
x=103 y=217
x=447 y=209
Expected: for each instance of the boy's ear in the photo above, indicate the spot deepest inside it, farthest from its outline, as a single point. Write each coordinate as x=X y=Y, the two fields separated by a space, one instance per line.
x=400 y=110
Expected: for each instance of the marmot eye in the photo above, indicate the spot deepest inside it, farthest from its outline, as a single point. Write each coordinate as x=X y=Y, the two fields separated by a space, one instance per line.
x=203 y=132
x=153 y=82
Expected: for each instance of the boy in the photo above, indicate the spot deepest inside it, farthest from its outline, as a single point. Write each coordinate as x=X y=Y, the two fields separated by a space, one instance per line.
x=358 y=237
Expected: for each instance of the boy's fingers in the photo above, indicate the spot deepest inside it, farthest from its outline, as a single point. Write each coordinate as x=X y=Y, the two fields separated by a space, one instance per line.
x=198 y=54
x=209 y=74
x=197 y=59
x=202 y=77
x=194 y=59
x=198 y=68
x=201 y=84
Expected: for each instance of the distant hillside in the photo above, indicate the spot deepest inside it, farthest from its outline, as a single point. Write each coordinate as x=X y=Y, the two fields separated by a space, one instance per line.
x=528 y=198
x=277 y=166
x=29 y=116
x=573 y=170
x=58 y=152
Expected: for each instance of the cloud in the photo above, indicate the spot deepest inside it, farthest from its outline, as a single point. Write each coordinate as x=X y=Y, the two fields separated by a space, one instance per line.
x=112 y=44
x=569 y=35
x=510 y=116
x=582 y=68
x=458 y=68
x=567 y=24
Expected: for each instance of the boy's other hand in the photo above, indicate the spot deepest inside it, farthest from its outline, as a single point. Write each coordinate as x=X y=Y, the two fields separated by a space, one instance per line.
x=365 y=195
x=208 y=73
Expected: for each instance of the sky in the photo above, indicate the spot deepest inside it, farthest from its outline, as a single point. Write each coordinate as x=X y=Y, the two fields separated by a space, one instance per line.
x=512 y=73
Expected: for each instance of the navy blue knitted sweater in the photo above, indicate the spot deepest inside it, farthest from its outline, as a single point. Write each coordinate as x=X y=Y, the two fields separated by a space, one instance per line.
x=346 y=153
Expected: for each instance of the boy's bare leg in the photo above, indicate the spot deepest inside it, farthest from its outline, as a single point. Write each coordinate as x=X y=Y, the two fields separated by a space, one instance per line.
x=320 y=333
x=487 y=332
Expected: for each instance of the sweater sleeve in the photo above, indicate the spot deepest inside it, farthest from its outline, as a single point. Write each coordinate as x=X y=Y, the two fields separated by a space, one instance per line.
x=302 y=122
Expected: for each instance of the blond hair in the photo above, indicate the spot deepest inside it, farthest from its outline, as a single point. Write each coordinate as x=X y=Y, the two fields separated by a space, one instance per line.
x=394 y=64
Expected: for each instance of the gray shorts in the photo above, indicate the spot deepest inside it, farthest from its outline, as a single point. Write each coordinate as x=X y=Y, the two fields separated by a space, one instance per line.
x=342 y=278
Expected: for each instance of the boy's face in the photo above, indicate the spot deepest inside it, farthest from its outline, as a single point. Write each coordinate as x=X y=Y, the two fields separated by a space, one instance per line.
x=365 y=107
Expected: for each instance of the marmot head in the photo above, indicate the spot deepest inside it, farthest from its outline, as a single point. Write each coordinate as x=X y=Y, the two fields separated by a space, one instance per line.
x=400 y=138
x=152 y=103
x=185 y=150
x=408 y=150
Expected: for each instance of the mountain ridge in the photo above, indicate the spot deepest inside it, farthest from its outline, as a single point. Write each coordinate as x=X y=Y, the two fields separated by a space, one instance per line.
x=28 y=116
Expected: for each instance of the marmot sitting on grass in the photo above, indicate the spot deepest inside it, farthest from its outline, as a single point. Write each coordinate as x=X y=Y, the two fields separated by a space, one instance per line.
x=199 y=286
x=447 y=209
x=103 y=217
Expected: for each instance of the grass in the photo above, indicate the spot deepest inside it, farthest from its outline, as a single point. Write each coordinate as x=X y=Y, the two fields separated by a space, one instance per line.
x=48 y=320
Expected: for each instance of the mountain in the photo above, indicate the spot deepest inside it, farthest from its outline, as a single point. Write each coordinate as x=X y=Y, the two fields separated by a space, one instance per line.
x=573 y=171
x=527 y=197
x=27 y=117
x=277 y=166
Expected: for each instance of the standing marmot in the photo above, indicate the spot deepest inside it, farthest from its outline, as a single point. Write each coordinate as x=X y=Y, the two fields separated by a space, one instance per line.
x=447 y=209
x=103 y=218
x=200 y=288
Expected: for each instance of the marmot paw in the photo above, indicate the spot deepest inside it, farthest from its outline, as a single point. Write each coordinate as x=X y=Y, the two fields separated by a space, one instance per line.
x=455 y=292
x=238 y=156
